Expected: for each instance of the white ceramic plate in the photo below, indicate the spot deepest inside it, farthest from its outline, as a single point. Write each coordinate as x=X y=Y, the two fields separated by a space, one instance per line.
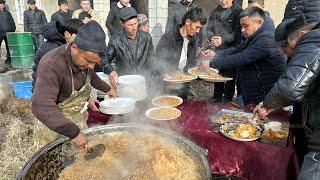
x=163 y=107
x=190 y=71
x=117 y=102
x=228 y=131
x=174 y=97
x=206 y=78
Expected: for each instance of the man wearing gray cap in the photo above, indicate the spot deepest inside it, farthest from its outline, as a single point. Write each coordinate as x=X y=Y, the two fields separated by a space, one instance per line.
x=131 y=48
x=300 y=83
x=64 y=79
x=64 y=13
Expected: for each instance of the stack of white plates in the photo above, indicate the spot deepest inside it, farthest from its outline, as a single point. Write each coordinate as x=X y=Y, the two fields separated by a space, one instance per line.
x=132 y=86
x=105 y=78
x=117 y=106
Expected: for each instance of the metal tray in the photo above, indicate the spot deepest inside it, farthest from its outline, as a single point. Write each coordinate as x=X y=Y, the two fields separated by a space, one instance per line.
x=249 y=116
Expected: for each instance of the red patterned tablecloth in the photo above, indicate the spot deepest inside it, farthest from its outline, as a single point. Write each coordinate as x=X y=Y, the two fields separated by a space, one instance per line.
x=250 y=160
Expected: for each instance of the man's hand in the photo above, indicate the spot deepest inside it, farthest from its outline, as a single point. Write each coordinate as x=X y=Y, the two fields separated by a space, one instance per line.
x=113 y=77
x=80 y=141
x=208 y=53
x=261 y=110
x=217 y=41
x=112 y=93
x=92 y=104
x=204 y=65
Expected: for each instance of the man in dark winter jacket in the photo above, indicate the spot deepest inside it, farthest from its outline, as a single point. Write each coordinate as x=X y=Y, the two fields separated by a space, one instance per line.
x=34 y=19
x=113 y=20
x=64 y=13
x=176 y=12
x=259 y=60
x=301 y=83
x=56 y=34
x=177 y=50
x=6 y=25
x=224 y=31
x=132 y=49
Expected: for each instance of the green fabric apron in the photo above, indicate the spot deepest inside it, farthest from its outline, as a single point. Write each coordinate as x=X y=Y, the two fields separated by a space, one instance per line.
x=73 y=108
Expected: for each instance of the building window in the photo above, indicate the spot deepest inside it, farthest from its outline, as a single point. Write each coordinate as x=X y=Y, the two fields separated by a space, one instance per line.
x=21 y=7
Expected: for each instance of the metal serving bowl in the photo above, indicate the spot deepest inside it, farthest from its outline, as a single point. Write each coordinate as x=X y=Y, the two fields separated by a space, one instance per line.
x=50 y=160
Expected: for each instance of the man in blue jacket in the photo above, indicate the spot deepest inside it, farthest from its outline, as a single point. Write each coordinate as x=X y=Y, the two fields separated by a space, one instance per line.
x=259 y=60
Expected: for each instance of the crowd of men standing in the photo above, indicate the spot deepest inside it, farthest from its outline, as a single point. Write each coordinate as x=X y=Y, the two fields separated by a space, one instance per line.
x=271 y=67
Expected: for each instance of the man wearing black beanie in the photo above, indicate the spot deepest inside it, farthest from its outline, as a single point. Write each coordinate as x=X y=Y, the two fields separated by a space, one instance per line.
x=64 y=79
x=64 y=13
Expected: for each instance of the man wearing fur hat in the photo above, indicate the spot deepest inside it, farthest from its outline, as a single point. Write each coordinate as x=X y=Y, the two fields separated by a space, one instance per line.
x=64 y=13
x=64 y=79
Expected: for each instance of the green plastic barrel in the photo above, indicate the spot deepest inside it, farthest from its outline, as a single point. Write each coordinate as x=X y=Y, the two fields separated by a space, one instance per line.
x=21 y=49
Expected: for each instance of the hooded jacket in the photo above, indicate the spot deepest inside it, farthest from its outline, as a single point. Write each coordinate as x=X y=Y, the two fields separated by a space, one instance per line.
x=175 y=14
x=259 y=61
x=34 y=20
x=301 y=83
x=54 y=40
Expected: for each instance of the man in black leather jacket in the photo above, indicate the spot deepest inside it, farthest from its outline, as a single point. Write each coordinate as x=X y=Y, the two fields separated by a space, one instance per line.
x=64 y=13
x=132 y=49
x=301 y=83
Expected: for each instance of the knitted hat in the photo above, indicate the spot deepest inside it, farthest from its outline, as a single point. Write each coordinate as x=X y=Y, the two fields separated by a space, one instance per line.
x=31 y=1
x=91 y=37
x=299 y=22
x=142 y=19
x=62 y=2
x=280 y=34
x=127 y=13
x=2 y=1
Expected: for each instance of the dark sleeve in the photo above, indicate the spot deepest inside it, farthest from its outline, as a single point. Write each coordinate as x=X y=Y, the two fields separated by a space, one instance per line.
x=44 y=19
x=99 y=84
x=170 y=20
x=108 y=57
x=210 y=28
x=295 y=83
x=44 y=105
x=110 y=19
x=54 y=17
x=11 y=24
x=25 y=21
x=256 y=52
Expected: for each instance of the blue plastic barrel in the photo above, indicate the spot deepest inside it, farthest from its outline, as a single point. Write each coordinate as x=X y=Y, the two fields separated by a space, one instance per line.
x=23 y=89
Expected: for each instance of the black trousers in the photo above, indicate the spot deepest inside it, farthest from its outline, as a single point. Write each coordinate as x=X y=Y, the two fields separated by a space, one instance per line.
x=225 y=90
x=4 y=37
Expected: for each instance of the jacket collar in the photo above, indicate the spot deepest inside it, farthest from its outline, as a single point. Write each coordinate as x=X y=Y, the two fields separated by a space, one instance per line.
x=122 y=6
x=36 y=9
